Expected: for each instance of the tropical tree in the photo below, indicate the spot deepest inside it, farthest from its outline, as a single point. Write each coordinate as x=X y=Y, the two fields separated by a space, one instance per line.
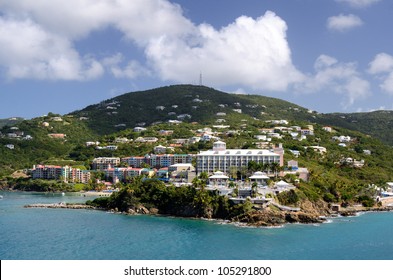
x=254 y=189
x=275 y=167
x=266 y=167
x=233 y=172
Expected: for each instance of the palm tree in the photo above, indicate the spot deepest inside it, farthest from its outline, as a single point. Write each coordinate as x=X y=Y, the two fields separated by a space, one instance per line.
x=266 y=167
x=254 y=189
x=233 y=172
x=232 y=185
x=252 y=166
x=275 y=166
x=243 y=172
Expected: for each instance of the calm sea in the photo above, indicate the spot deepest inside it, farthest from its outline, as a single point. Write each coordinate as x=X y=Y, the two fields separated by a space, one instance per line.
x=46 y=234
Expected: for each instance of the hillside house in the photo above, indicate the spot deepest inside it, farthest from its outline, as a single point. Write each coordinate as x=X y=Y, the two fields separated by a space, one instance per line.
x=293 y=165
x=57 y=119
x=307 y=131
x=184 y=116
x=122 y=140
x=161 y=149
x=163 y=132
x=92 y=143
x=57 y=135
x=342 y=139
x=318 y=149
x=139 y=129
x=296 y=153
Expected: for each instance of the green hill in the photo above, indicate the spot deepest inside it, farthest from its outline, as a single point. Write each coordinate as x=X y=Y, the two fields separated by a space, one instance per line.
x=33 y=144
x=197 y=106
x=378 y=124
x=10 y=122
x=237 y=119
x=201 y=103
x=144 y=108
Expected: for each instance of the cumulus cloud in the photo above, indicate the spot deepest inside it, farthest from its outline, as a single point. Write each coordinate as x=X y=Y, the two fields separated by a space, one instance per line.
x=382 y=67
x=139 y=20
x=343 y=23
x=131 y=70
x=382 y=63
x=336 y=77
x=249 y=52
x=29 y=51
x=358 y=3
x=41 y=34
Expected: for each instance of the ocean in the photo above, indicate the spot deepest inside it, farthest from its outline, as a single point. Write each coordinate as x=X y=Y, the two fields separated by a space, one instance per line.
x=67 y=234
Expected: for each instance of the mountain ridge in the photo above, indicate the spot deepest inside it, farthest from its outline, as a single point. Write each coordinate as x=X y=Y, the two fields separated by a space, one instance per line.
x=106 y=117
x=165 y=103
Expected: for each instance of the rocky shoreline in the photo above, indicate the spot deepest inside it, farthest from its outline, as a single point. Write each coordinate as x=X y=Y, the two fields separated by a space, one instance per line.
x=267 y=217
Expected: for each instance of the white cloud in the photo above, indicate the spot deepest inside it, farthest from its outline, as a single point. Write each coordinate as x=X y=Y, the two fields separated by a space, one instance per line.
x=380 y=108
x=343 y=23
x=382 y=63
x=139 y=20
x=28 y=51
x=358 y=3
x=132 y=70
x=249 y=52
x=382 y=68
x=41 y=34
x=324 y=61
x=332 y=76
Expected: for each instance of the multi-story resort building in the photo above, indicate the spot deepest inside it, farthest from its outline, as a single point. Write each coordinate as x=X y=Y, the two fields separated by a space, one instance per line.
x=65 y=173
x=158 y=161
x=79 y=176
x=48 y=172
x=103 y=163
x=222 y=159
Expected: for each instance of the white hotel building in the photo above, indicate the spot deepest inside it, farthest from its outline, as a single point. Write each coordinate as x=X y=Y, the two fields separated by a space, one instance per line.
x=222 y=159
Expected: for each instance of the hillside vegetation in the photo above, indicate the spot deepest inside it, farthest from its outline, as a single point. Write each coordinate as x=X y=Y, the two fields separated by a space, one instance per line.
x=243 y=116
x=202 y=104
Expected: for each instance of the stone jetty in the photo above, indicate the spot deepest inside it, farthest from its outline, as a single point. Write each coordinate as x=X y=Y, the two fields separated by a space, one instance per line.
x=60 y=205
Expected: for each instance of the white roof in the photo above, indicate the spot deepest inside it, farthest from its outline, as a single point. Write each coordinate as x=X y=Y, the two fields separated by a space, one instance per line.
x=240 y=152
x=259 y=175
x=182 y=164
x=218 y=175
x=282 y=184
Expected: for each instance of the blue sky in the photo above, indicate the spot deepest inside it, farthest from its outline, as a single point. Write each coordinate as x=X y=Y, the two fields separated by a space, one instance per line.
x=326 y=55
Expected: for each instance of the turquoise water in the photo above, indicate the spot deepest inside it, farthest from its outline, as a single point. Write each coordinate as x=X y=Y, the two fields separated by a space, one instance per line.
x=58 y=234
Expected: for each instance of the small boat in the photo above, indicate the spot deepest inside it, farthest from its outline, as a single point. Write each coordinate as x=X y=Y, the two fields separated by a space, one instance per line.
x=63 y=194
x=1 y=197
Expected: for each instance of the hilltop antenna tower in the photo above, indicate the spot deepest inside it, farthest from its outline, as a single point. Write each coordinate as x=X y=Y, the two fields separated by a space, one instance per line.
x=200 y=78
